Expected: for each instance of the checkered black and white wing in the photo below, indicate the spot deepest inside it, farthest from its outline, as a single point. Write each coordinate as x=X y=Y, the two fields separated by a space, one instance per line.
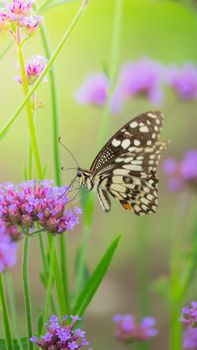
x=140 y=133
x=127 y=165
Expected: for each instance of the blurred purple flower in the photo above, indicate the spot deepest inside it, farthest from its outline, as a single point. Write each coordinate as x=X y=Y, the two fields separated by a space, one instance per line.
x=190 y=338
x=34 y=68
x=189 y=315
x=94 y=91
x=62 y=336
x=142 y=77
x=181 y=172
x=184 y=81
x=34 y=202
x=8 y=245
x=127 y=330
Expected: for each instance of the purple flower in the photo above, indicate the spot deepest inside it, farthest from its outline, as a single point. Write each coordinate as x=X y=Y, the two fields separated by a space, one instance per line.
x=62 y=336
x=189 y=315
x=184 y=81
x=142 y=78
x=20 y=7
x=127 y=330
x=34 y=202
x=190 y=338
x=94 y=91
x=8 y=246
x=34 y=68
x=17 y=13
x=181 y=172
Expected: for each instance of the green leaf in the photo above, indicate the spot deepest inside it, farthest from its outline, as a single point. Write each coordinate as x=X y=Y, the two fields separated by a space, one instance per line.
x=95 y=280
x=40 y=323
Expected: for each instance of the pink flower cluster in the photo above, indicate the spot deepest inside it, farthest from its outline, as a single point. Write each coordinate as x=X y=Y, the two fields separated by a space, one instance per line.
x=34 y=67
x=18 y=13
x=62 y=336
x=127 y=330
x=32 y=202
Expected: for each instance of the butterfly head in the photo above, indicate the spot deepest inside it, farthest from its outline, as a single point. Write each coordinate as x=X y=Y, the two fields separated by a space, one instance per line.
x=85 y=178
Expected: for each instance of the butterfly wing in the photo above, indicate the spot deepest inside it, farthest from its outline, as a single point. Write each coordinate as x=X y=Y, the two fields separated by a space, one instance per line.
x=126 y=166
x=140 y=133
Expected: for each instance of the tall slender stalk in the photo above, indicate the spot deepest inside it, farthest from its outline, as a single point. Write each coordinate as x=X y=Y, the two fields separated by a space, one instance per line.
x=12 y=303
x=30 y=119
x=5 y=317
x=26 y=290
x=56 y=156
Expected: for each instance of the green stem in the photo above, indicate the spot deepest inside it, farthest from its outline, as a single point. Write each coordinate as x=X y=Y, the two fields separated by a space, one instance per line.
x=63 y=307
x=176 y=328
x=13 y=309
x=48 y=66
x=113 y=70
x=81 y=261
x=50 y=282
x=56 y=154
x=5 y=317
x=27 y=291
x=30 y=119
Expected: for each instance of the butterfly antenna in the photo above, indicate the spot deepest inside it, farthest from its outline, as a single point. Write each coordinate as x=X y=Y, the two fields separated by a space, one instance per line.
x=59 y=139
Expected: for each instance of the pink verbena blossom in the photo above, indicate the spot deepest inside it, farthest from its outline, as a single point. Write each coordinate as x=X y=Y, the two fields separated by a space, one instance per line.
x=34 y=68
x=18 y=13
x=189 y=315
x=94 y=91
x=62 y=336
x=34 y=202
x=181 y=173
x=142 y=77
x=127 y=330
x=184 y=81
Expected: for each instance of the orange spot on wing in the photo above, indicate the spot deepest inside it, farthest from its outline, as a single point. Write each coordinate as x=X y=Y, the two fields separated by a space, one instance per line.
x=127 y=206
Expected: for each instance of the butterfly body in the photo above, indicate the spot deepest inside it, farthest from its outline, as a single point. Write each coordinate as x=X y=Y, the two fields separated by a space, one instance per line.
x=125 y=168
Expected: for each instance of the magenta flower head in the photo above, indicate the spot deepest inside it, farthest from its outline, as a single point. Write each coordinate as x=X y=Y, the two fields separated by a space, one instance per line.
x=34 y=68
x=18 y=13
x=184 y=81
x=127 y=330
x=189 y=315
x=62 y=336
x=8 y=245
x=94 y=91
x=182 y=173
x=143 y=78
x=190 y=338
x=33 y=202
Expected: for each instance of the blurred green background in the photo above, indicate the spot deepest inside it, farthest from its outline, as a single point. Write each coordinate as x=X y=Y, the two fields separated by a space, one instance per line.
x=162 y=30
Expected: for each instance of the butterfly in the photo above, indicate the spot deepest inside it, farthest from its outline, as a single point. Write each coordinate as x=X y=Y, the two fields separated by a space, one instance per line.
x=125 y=168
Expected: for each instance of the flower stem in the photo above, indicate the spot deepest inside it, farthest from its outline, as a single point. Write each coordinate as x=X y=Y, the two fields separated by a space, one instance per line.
x=13 y=308
x=113 y=69
x=30 y=119
x=27 y=291
x=5 y=317
x=48 y=66
x=56 y=156
x=50 y=282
